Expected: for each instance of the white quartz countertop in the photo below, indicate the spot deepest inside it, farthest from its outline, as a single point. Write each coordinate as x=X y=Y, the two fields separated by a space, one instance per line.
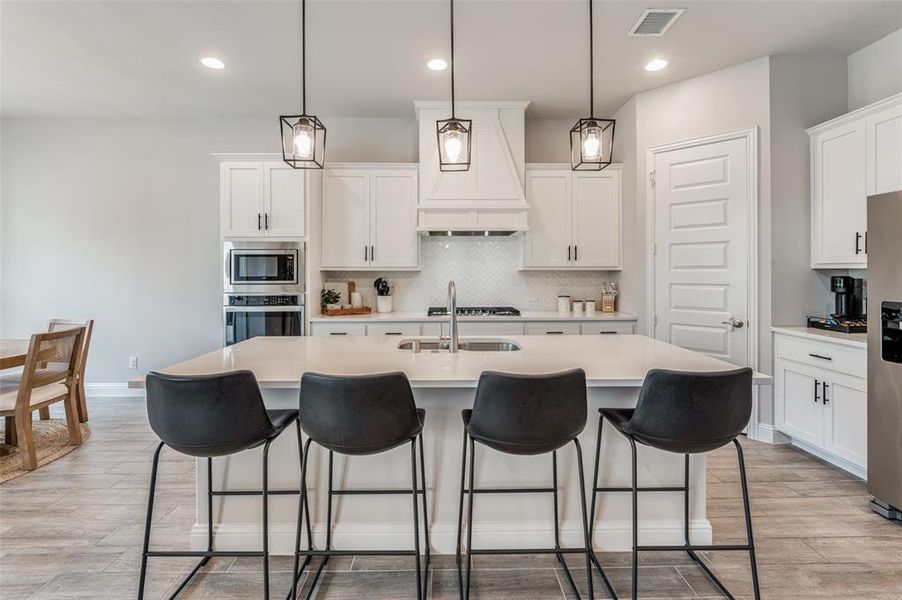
x=856 y=340
x=419 y=317
x=609 y=361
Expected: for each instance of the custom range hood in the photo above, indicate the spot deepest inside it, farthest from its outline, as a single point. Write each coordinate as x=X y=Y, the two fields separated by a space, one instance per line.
x=487 y=199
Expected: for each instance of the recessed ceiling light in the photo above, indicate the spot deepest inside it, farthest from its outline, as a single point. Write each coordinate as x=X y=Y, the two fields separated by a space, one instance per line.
x=211 y=62
x=656 y=64
x=437 y=64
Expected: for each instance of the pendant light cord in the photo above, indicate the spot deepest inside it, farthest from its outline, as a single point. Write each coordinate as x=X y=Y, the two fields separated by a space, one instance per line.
x=452 y=58
x=591 y=64
x=304 y=57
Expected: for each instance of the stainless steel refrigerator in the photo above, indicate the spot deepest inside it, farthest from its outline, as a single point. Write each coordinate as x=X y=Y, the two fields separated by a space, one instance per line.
x=884 y=248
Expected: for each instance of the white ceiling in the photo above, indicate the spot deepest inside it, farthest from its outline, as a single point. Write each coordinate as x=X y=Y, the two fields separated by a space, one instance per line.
x=367 y=57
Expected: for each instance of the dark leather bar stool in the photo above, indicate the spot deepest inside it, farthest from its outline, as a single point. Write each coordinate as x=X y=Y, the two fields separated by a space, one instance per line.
x=525 y=415
x=685 y=413
x=356 y=416
x=208 y=416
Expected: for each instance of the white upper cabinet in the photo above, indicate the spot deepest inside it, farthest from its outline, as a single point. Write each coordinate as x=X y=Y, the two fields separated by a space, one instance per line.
x=574 y=219
x=852 y=156
x=369 y=219
x=262 y=199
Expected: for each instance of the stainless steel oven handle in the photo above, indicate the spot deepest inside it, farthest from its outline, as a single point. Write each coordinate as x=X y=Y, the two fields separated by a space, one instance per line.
x=245 y=309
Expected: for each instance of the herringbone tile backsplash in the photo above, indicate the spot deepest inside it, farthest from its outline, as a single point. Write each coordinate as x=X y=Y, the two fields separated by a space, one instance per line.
x=486 y=271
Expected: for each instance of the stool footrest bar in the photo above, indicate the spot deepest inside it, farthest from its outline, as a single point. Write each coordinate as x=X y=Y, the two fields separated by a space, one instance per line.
x=511 y=491
x=357 y=553
x=376 y=492
x=528 y=551
x=199 y=553
x=693 y=548
x=641 y=489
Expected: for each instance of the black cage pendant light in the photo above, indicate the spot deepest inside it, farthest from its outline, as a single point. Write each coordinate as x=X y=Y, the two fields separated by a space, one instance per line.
x=591 y=139
x=453 y=134
x=303 y=135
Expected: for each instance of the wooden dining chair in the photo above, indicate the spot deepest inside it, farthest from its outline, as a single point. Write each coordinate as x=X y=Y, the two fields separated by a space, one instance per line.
x=49 y=376
x=88 y=324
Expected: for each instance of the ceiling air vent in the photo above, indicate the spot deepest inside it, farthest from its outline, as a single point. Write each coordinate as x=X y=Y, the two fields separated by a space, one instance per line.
x=656 y=21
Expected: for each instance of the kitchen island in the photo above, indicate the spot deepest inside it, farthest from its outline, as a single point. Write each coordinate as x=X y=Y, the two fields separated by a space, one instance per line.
x=444 y=384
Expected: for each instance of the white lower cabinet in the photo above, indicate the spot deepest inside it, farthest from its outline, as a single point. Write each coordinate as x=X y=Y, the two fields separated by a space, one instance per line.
x=612 y=328
x=326 y=329
x=393 y=329
x=472 y=328
x=821 y=399
x=488 y=328
x=551 y=328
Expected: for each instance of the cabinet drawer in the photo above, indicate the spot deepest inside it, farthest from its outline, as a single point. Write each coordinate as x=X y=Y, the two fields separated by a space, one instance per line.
x=823 y=355
x=393 y=329
x=552 y=328
x=474 y=328
x=338 y=329
x=607 y=328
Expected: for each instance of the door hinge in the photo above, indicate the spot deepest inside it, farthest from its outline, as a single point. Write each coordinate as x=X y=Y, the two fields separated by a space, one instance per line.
x=651 y=177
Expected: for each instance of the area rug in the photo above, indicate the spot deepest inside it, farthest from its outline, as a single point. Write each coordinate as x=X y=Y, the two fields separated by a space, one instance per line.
x=51 y=440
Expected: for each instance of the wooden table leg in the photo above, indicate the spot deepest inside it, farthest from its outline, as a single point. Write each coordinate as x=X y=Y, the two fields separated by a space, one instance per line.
x=9 y=436
x=82 y=401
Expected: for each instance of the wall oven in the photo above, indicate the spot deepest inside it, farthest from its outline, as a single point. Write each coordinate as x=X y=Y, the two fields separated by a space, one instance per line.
x=263 y=267
x=248 y=316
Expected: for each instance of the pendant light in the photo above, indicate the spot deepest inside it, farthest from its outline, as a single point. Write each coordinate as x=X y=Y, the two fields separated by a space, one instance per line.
x=453 y=134
x=591 y=139
x=303 y=135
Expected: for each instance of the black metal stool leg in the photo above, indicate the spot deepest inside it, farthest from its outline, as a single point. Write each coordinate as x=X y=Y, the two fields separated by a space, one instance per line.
x=325 y=561
x=265 y=520
x=557 y=528
x=582 y=505
x=149 y=518
x=416 y=518
x=460 y=515
x=303 y=508
x=595 y=476
x=686 y=502
x=748 y=519
x=635 y=590
x=470 y=520
x=425 y=518
x=209 y=508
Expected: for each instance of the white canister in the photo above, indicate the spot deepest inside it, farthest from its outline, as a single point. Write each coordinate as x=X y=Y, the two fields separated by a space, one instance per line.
x=590 y=307
x=383 y=304
x=356 y=300
x=578 y=307
x=563 y=304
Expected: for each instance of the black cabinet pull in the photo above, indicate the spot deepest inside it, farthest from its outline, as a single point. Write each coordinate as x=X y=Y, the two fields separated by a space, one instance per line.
x=372 y=253
x=265 y=220
x=554 y=333
x=820 y=356
x=568 y=253
x=607 y=333
x=258 y=221
x=865 y=242
x=576 y=253
x=826 y=385
x=364 y=253
x=338 y=333
x=857 y=239
x=393 y=333
x=816 y=384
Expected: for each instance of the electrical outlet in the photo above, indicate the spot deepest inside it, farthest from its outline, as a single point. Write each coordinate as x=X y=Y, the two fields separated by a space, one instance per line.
x=132 y=362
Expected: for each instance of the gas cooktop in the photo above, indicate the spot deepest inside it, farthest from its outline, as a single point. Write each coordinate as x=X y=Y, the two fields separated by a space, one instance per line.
x=475 y=311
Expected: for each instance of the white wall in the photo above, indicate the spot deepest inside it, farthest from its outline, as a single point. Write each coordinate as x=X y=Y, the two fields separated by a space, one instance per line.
x=875 y=71
x=118 y=220
x=804 y=91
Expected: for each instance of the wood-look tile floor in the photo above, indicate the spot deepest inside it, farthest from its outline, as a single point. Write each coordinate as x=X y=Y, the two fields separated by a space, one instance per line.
x=73 y=529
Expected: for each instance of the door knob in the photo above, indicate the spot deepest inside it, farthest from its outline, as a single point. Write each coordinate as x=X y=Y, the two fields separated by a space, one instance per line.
x=734 y=322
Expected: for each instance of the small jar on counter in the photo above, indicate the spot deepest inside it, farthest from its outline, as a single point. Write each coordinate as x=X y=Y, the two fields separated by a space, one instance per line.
x=563 y=304
x=590 y=308
x=578 y=307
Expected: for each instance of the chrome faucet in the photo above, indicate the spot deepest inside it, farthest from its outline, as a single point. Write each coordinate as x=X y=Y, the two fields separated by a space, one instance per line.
x=453 y=337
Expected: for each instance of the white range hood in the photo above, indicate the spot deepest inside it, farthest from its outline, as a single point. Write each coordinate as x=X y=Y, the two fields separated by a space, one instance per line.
x=488 y=199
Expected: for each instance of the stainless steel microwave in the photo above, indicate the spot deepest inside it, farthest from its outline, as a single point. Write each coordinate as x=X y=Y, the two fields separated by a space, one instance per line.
x=263 y=268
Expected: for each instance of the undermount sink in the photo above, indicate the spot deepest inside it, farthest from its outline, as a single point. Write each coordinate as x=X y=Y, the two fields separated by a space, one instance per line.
x=470 y=345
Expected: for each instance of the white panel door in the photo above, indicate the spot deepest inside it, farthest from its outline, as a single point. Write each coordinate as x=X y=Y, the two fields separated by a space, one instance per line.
x=394 y=241
x=283 y=194
x=346 y=222
x=884 y=155
x=548 y=241
x=701 y=202
x=596 y=219
x=798 y=409
x=840 y=210
x=846 y=417
x=242 y=199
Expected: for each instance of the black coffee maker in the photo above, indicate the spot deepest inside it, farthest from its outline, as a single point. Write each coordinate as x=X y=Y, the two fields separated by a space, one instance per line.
x=850 y=297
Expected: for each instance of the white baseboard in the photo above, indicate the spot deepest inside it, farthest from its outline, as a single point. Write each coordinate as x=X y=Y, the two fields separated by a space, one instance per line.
x=769 y=435
x=98 y=390
x=842 y=463
x=613 y=536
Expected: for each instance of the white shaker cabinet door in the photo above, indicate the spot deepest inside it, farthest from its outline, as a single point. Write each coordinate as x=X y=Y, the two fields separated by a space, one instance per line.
x=596 y=220
x=242 y=199
x=799 y=409
x=846 y=404
x=884 y=153
x=346 y=222
x=839 y=205
x=394 y=241
x=548 y=241
x=283 y=194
